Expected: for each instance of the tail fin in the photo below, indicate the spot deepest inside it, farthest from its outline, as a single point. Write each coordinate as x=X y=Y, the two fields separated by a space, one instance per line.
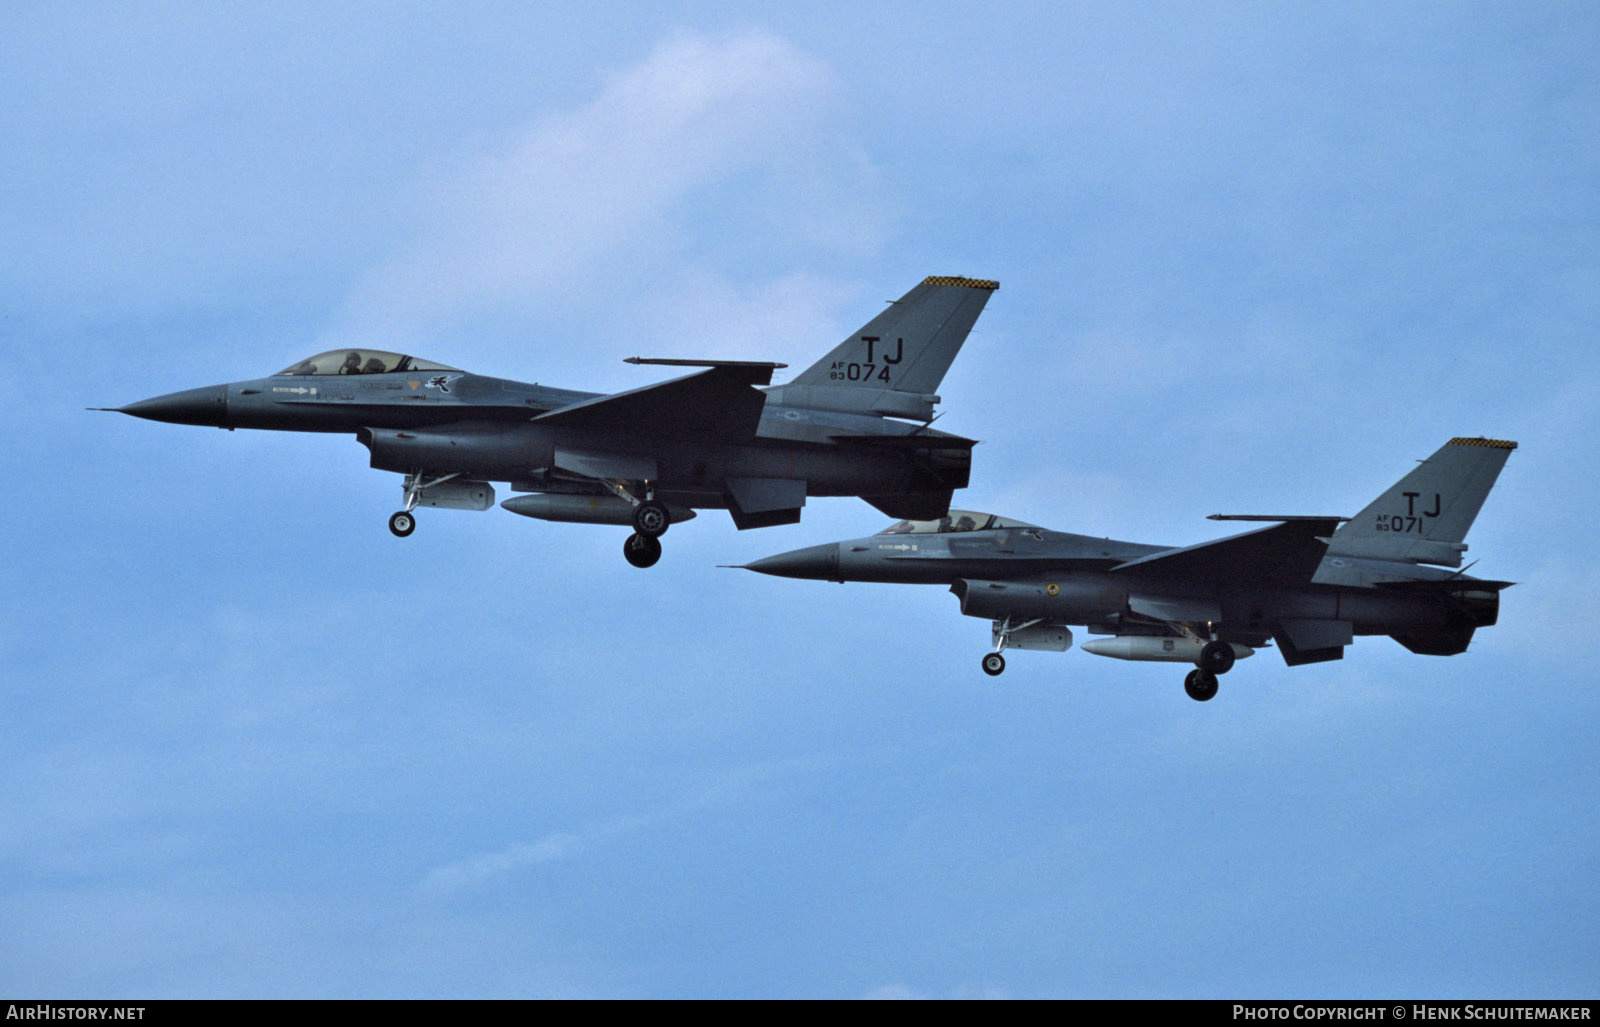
x=1424 y=517
x=894 y=364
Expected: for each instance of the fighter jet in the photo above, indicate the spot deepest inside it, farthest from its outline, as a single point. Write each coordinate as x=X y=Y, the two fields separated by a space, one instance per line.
x=855 y=423
x=1309 y=584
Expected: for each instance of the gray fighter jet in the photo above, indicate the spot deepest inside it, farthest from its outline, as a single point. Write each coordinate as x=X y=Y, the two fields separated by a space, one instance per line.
x=856 y=423
x=1310 y=584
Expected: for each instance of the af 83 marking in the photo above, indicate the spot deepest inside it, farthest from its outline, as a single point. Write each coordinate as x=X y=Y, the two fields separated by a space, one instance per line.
x=867 y=370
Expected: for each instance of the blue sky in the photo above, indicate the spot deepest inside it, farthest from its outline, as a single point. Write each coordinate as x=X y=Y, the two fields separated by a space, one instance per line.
x=1254 y=258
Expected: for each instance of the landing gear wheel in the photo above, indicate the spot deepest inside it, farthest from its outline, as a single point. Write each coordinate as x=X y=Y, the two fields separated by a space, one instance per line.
x=650 y=518
x=993 y=664
x=1200 y=684
x=402 y=523
x=1217 y=657
x=641 y=550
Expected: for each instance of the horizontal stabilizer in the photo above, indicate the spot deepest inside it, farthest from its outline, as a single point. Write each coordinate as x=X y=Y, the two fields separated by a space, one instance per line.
x=1286 y=554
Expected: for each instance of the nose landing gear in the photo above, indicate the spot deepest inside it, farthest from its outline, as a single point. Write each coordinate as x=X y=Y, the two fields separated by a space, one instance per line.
x=993 y=663
x=405 y=522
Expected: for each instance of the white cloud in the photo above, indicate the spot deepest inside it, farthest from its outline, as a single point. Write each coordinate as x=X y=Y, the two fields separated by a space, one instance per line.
x=735 y=787
x=902 y=992
x=893 y=992
x=585 y=201
x=480 y=869
x=789 y=318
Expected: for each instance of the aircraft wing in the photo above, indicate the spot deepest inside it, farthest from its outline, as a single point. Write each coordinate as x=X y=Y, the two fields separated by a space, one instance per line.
x=1287 y=553
x=720 y=401
x=1445 y=585
x=911 y=442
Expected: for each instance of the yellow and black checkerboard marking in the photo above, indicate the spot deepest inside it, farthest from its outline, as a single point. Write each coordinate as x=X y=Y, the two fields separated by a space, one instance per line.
x=965 y=283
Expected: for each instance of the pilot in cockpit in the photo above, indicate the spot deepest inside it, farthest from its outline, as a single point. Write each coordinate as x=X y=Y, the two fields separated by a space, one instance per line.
x=352 y=363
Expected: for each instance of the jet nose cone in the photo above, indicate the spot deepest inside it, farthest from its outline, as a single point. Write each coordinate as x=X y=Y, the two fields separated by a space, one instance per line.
x=820 y=562
x=207 y=406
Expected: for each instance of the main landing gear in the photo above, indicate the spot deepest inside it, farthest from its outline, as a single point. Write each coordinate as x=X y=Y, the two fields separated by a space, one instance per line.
x=1200 y=684
x=1216 y=658
x=650 y=522
x=642 y=550
x=650 y=518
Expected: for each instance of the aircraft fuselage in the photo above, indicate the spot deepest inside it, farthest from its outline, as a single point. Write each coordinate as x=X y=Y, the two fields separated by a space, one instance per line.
x=483 y=428
x=1032 y=574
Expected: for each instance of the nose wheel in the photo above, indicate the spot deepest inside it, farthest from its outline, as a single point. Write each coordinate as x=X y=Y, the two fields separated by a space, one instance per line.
x=405 y=522
x=993 y=663
x=641 y=550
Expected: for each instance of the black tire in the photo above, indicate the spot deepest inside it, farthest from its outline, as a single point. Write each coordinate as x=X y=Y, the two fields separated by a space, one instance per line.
x=402 y=523
x=993 y=664
x=1201 y=685
x=650 y=518
x=1217 y=657
x=641 y=550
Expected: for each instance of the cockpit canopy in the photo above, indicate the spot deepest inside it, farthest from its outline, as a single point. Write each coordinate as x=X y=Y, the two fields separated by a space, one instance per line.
x=958 y=520
x=362 y=361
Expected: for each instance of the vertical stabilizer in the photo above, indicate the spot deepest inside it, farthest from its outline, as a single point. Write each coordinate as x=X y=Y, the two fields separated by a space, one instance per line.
x=1424 y=517
x=893 y=365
